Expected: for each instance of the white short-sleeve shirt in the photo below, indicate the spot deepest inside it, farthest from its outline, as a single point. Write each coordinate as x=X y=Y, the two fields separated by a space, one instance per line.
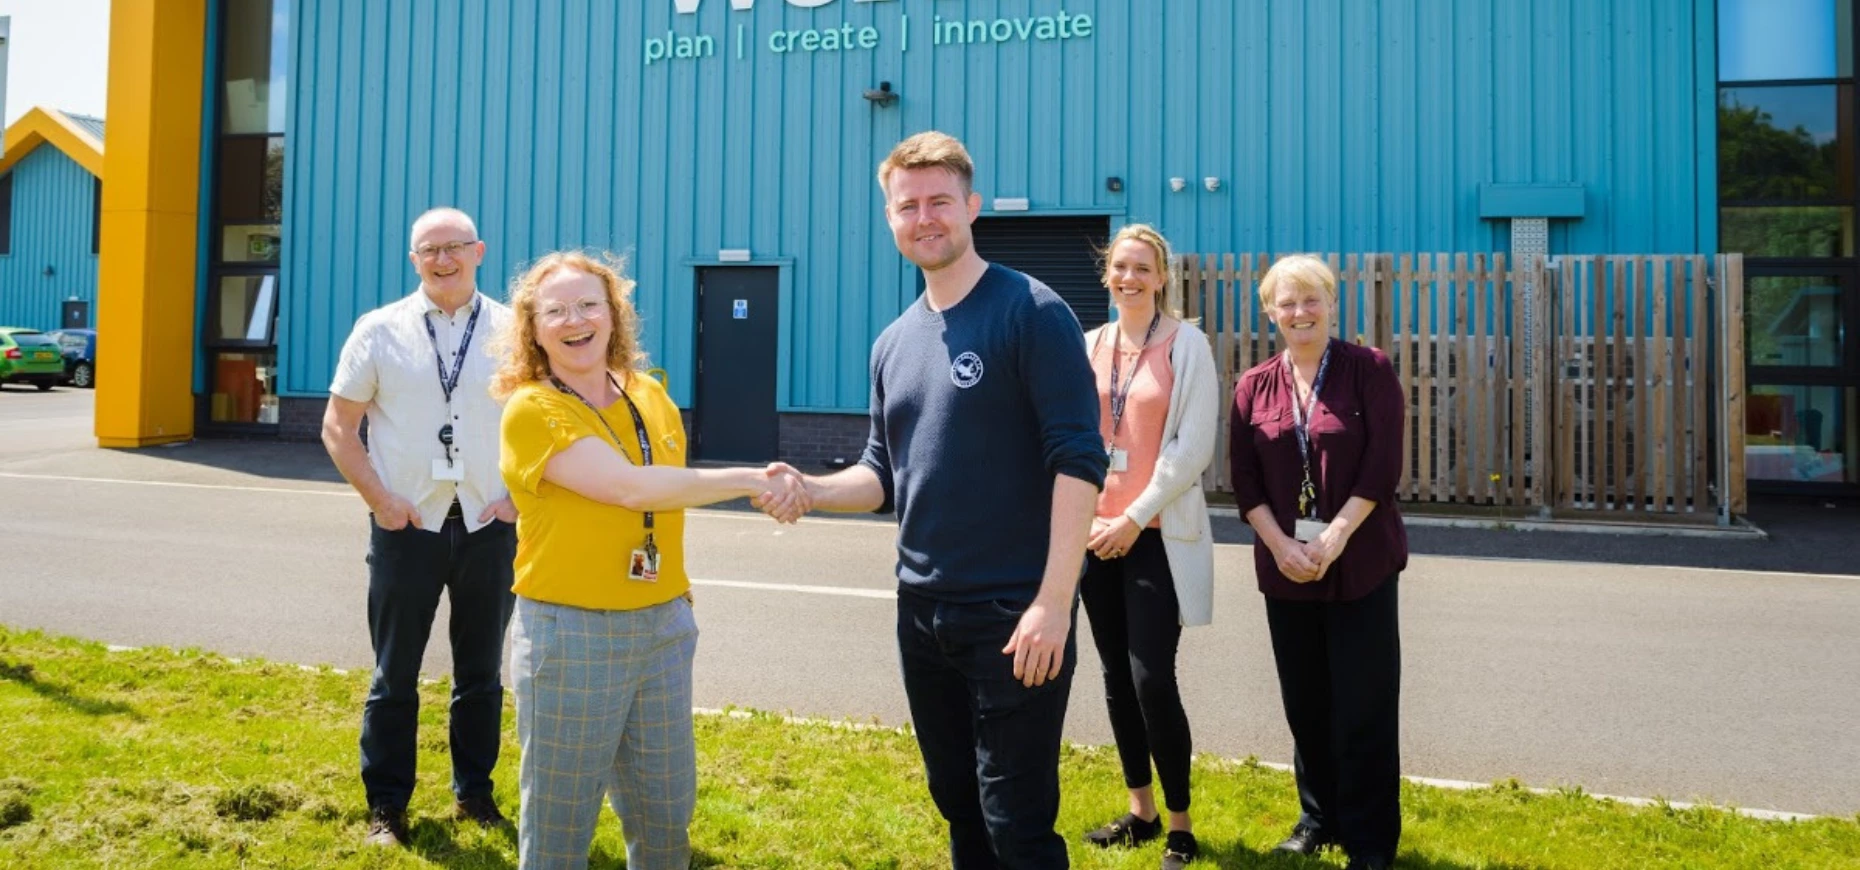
x=389 y=362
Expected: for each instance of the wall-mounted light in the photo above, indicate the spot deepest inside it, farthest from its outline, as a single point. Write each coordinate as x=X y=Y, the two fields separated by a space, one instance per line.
x=1211 y=183
x=1178 y=184
x=1114 y=184
x=884 y=96
x=49 y=271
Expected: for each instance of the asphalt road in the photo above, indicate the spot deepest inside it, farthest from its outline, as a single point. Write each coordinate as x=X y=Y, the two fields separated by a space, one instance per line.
x=1698 y=669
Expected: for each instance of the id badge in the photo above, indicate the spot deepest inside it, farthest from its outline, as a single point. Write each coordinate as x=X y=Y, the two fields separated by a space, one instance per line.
x=1306 y=531
x=453 y=471
x=643 y=566
x=1120 y=460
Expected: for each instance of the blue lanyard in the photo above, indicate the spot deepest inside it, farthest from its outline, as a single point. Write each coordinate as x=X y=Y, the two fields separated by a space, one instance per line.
x=450 y=383
x=1301 y=425
x=1117 y=346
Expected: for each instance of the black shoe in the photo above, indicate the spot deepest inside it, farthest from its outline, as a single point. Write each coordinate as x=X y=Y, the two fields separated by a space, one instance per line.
x=1179 y=850
x=1305 y=840
x=387 y=826
x=1367 y=862
x=481 y=809
x=1127 y=831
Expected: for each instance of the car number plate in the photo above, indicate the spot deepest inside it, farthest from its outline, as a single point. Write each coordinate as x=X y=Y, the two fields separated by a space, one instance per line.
x=45 y=356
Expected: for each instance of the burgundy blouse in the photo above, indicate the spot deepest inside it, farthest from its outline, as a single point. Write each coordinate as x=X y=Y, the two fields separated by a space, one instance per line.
x=1356 y=446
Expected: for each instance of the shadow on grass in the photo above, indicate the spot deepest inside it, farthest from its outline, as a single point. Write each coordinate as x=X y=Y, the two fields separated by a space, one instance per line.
x=1238 y=856
x=434 y=840
x=23 y=674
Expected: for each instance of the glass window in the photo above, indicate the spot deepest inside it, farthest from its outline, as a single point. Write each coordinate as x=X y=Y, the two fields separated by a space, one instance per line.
x=244 y=388
x=243 y=309
x=1762 y=40
x=1794 y=320
x=1791 y=143
x=252 y=179
x=1787 y=231
x=254 y=95
x=1799 y=433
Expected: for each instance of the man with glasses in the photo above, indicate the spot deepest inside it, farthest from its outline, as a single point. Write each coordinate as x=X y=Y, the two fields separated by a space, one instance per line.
x=419 y=369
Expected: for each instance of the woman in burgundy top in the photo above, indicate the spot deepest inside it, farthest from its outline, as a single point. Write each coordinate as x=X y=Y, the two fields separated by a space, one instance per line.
x=1316 y=453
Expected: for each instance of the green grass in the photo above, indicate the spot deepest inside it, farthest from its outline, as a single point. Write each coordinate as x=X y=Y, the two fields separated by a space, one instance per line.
x=159 y=758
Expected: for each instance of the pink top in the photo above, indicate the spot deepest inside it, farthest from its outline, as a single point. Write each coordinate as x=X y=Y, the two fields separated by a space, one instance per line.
x=1145 y=412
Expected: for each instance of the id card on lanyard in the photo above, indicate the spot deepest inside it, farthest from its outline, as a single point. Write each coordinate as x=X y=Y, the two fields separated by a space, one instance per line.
x=447 y=469
x=1120 y=458
x=642 y=564
x=1307 y=526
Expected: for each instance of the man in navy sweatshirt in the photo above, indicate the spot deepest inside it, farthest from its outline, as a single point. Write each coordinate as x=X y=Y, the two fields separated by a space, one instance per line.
x=985 y=441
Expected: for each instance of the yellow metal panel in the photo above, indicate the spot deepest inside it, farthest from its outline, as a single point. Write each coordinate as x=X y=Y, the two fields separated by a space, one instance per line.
x=41 y=126
x=148 y=265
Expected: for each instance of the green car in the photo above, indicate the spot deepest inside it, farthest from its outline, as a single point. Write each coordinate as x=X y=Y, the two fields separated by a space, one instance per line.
x=30 y=356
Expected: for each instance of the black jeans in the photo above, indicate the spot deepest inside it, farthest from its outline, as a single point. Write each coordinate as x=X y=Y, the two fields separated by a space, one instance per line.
x=1340 y=677
x=990 y=745
x=406 y=571
x=1136 y=625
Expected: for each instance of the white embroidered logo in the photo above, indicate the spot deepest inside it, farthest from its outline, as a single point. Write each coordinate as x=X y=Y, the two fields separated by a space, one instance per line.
x=966 y=371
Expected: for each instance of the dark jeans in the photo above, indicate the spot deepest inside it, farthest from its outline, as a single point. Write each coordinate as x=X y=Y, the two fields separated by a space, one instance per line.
x=990 y=745
x=406 y=571
x=1340 y=677
x=1136 y=625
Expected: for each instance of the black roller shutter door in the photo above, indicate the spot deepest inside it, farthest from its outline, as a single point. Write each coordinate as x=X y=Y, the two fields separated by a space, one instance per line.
x=1060 y=251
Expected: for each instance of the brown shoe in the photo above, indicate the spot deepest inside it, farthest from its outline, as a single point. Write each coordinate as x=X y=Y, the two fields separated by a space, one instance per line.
x=387 y=826
x=481 y=809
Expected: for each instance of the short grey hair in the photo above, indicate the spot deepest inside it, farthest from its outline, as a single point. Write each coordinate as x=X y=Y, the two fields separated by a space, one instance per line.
x=432 y=215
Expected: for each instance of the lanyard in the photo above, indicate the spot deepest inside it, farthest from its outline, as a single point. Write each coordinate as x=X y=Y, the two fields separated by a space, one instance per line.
x=639 y=429
x=1301 y=425
x=450 y=383
x=1117 y=344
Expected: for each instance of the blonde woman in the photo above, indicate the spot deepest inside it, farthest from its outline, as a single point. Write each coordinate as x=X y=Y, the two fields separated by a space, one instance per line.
x=1150 y=568
x=603 y=636
x=1316 y=446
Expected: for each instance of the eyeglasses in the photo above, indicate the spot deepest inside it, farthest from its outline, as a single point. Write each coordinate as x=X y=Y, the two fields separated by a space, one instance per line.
x=556 y=313
x=450 y=249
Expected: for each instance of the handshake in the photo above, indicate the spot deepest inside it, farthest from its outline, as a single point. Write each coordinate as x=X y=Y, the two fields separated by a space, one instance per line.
x=786 y=498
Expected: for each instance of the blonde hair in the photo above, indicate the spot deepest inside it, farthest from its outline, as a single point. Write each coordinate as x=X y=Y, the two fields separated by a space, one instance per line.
x=522 y=360
x=1166 y=300
x=1301 y=270
x=929 y=150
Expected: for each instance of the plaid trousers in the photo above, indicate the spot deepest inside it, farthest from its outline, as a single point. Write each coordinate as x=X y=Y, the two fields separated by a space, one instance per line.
x=604 y=704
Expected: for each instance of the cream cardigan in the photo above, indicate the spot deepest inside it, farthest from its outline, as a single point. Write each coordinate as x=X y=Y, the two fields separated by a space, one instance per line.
x=1189 y=433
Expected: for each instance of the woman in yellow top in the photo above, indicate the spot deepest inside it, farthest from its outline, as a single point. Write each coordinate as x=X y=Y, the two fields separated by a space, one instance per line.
x=602 y=639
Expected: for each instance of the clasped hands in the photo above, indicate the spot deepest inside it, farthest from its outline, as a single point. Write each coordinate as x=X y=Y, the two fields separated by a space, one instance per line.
x=786 y=499
x=1307 y=561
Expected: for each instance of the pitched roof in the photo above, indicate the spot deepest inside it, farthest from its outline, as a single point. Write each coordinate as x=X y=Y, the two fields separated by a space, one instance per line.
x=80 y=140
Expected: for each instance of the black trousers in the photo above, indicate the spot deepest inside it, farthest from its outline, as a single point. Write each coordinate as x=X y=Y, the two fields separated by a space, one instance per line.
x=1340 y=678
x=407 y=570
x=1136 y=625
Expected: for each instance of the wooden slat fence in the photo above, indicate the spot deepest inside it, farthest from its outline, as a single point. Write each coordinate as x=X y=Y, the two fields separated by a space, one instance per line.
x=1618 y=405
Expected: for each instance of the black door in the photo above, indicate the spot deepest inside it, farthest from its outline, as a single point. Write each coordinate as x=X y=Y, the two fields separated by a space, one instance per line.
x=734 y=414
x=75 y=315
x=1060 y=251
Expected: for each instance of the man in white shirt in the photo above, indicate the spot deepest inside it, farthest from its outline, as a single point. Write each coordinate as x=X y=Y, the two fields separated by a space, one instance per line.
x=418 y=369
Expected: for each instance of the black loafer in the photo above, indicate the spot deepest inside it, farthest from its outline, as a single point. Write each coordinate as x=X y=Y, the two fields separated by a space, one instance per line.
x=481 y=809
x=1179 y=850
x=1367 y=862
x=1126 y=831
x=1304 y=840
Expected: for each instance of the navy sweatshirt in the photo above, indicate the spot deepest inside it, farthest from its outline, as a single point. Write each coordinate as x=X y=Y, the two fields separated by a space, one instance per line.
x=974 y=410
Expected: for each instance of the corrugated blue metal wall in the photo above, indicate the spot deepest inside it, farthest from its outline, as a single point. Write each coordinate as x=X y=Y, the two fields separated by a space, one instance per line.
x=53 y=211
x=1333 y=125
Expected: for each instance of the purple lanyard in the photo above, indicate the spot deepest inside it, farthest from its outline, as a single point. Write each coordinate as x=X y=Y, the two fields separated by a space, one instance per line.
x=1117 y=344
x=1301 y=426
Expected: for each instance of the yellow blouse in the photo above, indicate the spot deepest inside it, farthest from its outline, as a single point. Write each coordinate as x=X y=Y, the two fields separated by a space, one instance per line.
x=573 y=550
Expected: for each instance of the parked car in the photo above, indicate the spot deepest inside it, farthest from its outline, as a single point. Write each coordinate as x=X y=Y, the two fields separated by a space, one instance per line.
x=30 y=356
x=80 y=351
